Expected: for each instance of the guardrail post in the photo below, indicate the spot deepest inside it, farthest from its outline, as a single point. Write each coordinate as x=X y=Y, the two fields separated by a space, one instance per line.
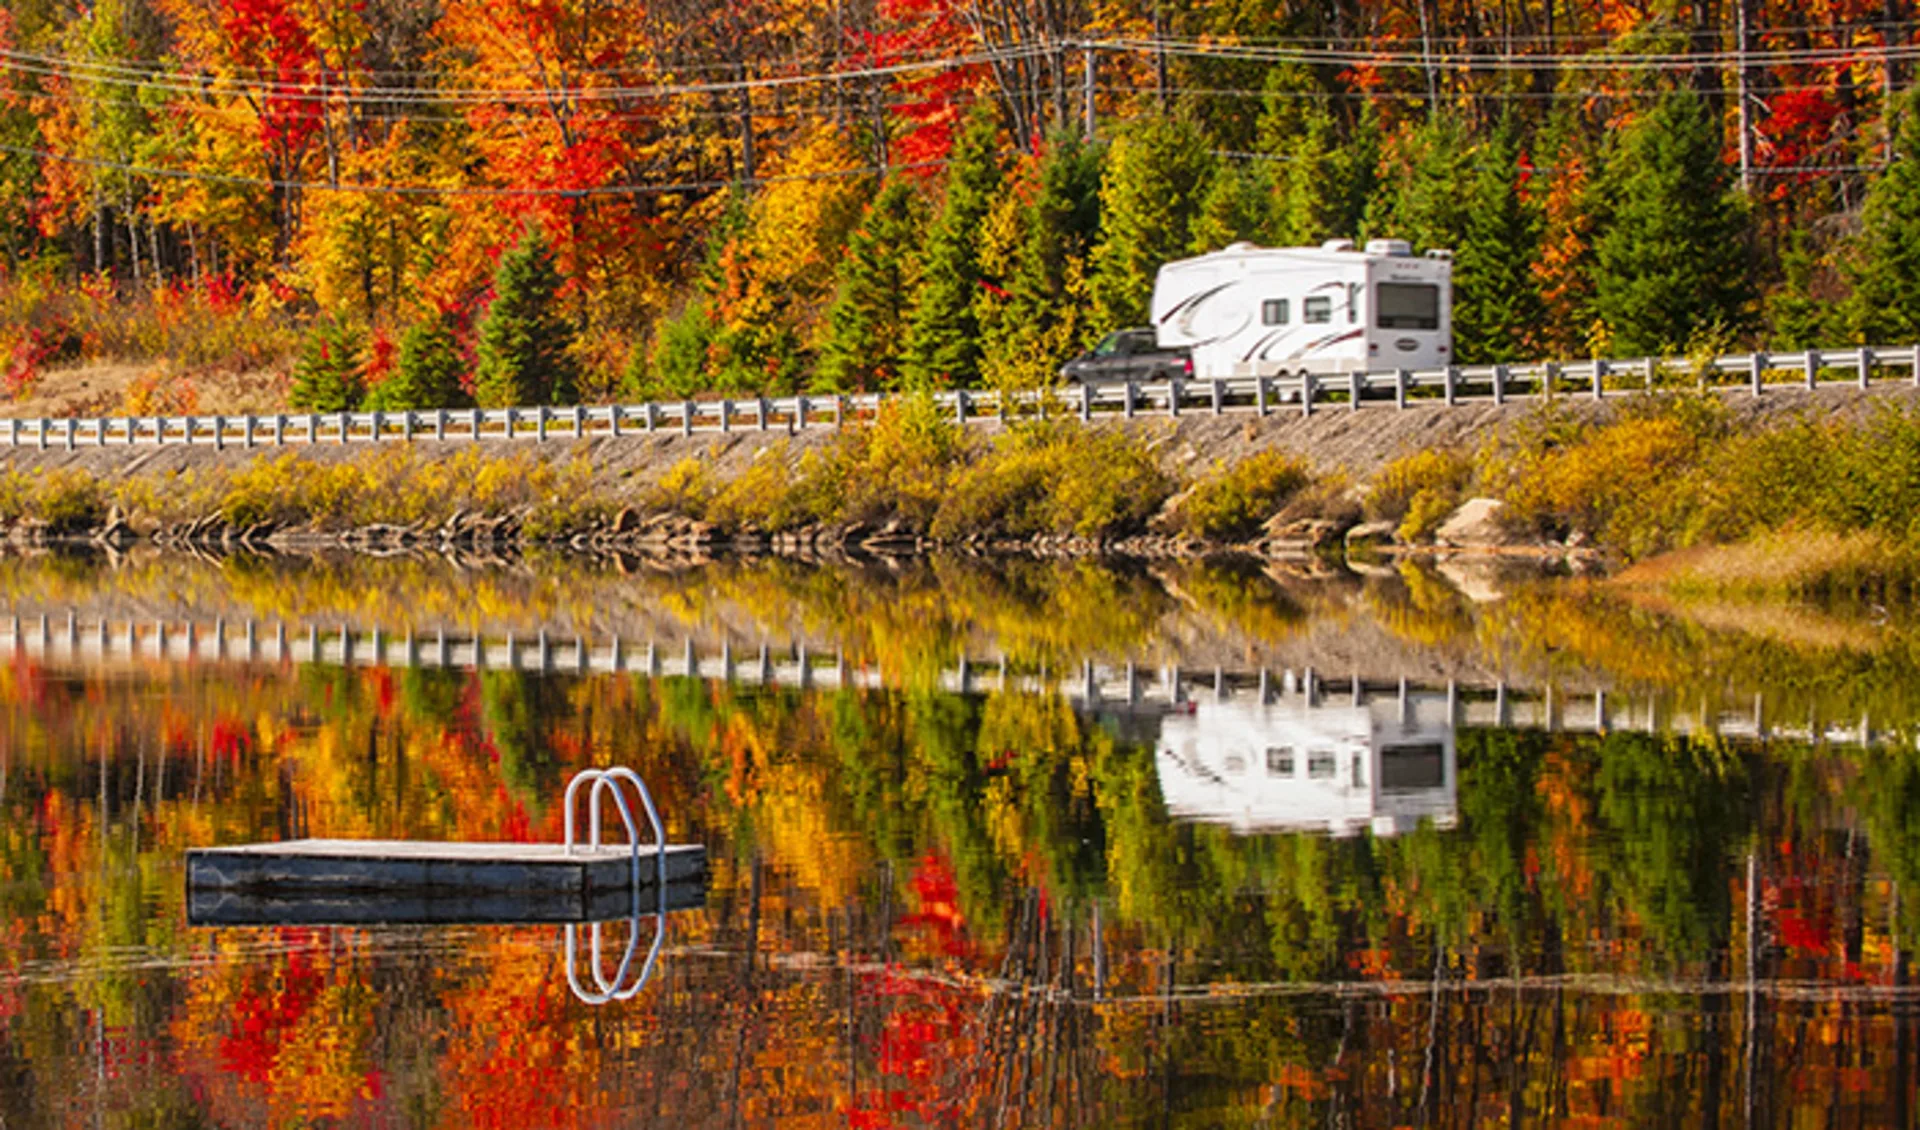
x=1916 y=365
x=1866 y=365
x=1499 y=384
x=1756 y=367
x=1086 y=402
x=540 y=423
x=650 y=415
x=1306 y=394
x=1400 y=388
x=686 y=417
x=1260 y=395
x=1450 y=377
x=73 y=430
x=100 y=430
x=1813 y=368
x=219 y=433
x=406 y=425
x=474 y=417
x=346 y=425
x=579 y=421
x=313 y=427
x=379 y=425
x=1173 y=396
x=1599 y=378
x=1130 y=391
x=246 y=429
x=439 y=423
x=512 y=424
x=1356 y=389
x=959 y=405
x=760 y=412
x=1219 y=394
x=1649 y=367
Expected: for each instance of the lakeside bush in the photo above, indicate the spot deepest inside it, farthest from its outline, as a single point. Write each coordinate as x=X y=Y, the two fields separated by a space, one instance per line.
x=1233 y=500
x=1049 y=477
x=1418 y=490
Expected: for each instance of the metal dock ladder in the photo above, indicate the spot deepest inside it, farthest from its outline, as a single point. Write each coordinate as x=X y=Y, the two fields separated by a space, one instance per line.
x=614 y=782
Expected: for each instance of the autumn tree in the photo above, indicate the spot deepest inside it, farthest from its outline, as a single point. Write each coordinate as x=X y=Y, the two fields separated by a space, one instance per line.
x=1150 y=194
x=328 y=376
x=864 y=346
x=943 y=336
x=429 y=373
x=523 y=356
x=1672 y=263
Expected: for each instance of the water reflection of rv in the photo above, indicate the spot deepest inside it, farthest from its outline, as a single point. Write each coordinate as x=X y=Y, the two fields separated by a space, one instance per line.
x=1287 y=766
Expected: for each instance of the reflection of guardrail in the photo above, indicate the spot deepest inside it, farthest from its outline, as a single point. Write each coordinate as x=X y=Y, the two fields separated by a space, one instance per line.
x=1754 y=372
x=1090 y=684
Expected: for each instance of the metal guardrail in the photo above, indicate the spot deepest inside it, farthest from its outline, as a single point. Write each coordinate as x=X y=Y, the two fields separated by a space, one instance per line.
x=1090 y=684
x=1301 y=393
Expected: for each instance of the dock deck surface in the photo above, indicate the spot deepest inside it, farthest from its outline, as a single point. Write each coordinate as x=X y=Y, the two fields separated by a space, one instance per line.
x=413 y=868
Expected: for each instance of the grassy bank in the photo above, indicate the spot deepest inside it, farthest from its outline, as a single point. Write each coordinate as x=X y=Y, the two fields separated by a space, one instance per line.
x=910 y=471
x=1759 y=497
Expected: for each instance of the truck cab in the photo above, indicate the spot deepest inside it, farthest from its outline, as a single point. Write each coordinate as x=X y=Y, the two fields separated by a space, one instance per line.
x=1131 y=354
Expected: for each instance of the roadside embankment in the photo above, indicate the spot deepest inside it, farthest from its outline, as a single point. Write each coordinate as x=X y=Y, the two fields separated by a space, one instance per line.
x=1632 y=475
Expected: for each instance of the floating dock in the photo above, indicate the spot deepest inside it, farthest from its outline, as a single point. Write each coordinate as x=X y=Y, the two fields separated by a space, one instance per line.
x=406 y=880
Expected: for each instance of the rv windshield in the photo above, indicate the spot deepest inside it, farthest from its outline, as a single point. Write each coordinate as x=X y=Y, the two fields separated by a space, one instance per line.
x=1407 y=306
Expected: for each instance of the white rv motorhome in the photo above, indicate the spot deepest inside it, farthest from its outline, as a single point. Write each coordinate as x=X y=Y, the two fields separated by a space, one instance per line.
x=1249 y=311
x=1290 y=767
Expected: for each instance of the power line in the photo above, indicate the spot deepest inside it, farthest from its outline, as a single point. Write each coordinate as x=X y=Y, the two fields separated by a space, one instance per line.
x=413 y=190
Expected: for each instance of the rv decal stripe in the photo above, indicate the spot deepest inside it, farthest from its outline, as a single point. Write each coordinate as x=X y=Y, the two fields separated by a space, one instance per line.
x=1192 y=301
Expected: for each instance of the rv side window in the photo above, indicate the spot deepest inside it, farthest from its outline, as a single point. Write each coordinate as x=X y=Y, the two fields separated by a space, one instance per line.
x=1273 y=312
x=1321 y=765
x=1317 y=310
x=1280 y=761
x=1407 y=306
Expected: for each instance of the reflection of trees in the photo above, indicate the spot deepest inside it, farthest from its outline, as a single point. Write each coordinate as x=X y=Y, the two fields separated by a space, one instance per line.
x=904 y=893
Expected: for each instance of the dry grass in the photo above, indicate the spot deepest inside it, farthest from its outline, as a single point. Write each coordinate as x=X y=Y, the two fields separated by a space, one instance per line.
x=1782 y=563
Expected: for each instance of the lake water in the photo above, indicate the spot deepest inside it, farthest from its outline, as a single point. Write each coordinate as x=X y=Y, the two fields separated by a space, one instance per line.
x=1566 y=858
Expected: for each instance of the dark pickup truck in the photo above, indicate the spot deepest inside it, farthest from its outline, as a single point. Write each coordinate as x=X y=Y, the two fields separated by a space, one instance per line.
x=1128 y=355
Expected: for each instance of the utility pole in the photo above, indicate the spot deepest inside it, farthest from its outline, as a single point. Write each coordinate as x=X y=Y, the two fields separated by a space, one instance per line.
x=1743 y=33
x=1087 y=69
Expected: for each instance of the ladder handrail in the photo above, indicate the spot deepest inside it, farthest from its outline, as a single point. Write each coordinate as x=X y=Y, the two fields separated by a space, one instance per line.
x=605 y=781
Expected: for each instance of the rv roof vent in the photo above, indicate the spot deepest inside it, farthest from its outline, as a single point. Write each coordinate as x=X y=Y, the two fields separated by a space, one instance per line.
x=1439 y=253
x=1241 y=247
x=1337 y=245
x=1389 y=247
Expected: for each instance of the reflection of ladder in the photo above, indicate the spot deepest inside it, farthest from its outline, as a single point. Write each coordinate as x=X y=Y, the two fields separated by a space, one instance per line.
x=614 y=782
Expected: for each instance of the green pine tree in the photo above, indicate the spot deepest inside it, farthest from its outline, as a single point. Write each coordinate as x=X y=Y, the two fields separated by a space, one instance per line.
x=1156 y=174
x=943 y=337
x=327 y=377
x=523 y=354
x=1884 y=267
x=866 y=334
x=1496 y=305
x=1321 y=180
x=428 y=372
x=1672 y=262
x=1797 y=318
x=1425 y=205
x=1034 y=249
x=1230 y=211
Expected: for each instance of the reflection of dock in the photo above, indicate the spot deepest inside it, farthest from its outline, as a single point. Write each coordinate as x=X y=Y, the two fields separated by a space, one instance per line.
x=1090 y=684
